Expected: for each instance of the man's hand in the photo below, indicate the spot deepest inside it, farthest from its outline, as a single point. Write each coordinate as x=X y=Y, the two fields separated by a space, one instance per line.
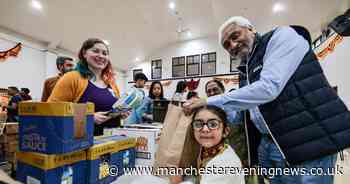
x=100 y=117
x=193 y=103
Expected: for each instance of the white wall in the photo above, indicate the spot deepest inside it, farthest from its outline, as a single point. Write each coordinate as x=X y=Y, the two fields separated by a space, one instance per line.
x=198 y=46
x=192 y=47
x=30 y=68
x=121 y=81
x=50 y=64
x=34 y=65
x=25 y=70
x=336 y=66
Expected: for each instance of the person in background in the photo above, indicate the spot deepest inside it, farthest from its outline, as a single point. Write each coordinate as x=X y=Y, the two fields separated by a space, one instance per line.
x=293 y=118
x=214 y=87
x=210 y=129
x=12 y=107
x=181 y=89
x=140 y=80
x=92 y=81
x=145 y=112
x=136 y=115
x=64 y=65
x=25 y=94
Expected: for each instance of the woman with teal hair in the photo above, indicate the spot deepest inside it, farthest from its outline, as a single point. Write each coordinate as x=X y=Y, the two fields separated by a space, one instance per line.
x=92 y=81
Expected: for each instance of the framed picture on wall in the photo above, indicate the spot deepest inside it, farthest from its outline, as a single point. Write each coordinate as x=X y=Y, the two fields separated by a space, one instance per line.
x=192 y=65
x=156 y=71
x=208 y=63
x=178 y=66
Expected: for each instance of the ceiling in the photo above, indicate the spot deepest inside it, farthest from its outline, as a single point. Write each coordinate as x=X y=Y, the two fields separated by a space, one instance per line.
x=137 y=28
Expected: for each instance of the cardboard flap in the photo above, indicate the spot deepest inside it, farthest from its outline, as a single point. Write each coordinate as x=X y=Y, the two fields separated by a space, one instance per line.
x=79 y=111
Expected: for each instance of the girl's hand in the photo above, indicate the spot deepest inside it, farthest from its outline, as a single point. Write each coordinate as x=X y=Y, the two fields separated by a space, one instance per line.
x=100 y=117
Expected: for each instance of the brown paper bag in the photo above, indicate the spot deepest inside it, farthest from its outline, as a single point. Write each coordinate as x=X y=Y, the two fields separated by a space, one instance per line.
x=177 y=147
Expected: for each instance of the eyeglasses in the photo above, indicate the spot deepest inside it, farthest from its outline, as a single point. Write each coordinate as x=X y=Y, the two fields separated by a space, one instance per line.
x=212 y=124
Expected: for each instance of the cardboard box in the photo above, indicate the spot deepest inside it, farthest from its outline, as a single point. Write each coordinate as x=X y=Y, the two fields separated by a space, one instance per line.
x=55 y=128
x=10 y=146
x=10 y=156
x=42 y=168
x=11 y=128
x=8 y=138
x=108 y=152
x=147 y=142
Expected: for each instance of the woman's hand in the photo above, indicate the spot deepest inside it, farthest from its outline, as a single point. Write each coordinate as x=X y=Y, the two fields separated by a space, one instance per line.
x=124 y=115
x=101 y=117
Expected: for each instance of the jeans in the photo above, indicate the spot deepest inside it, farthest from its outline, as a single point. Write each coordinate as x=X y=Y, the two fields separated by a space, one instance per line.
x=319 y=171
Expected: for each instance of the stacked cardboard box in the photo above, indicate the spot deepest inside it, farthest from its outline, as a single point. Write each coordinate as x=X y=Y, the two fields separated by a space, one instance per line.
x=56 y=145
x=9 y=143
x=53 y=138
x=147 y=139
x=55 y=128
x=108 y=157
x=67 y=168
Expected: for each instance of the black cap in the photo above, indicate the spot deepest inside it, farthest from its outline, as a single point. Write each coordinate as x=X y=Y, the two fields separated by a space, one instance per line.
x=140 y=76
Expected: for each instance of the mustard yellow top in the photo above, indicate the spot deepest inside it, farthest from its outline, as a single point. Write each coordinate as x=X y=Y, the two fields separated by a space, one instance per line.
x=71 y=86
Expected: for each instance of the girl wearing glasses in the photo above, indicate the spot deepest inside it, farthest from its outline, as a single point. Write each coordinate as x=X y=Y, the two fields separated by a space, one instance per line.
x=218 y=160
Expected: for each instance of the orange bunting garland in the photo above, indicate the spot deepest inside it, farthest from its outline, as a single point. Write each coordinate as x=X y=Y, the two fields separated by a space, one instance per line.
x=11 y=52
x=234 y=80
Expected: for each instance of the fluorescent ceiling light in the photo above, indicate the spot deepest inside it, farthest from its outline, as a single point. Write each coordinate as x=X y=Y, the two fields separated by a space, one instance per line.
x=172 y=5
x=37 y=5
x=278 y=7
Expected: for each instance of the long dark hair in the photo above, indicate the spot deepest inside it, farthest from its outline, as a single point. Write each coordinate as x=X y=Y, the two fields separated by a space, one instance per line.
x=215 y=110
x=82 y=66
x=150 y=93
x=180 y=87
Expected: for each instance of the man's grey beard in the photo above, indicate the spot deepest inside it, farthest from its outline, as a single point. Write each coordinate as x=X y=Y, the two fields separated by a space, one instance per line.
x=240 y=56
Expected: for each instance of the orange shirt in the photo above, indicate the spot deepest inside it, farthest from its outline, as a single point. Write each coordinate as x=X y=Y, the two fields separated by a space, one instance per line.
x=48 y=87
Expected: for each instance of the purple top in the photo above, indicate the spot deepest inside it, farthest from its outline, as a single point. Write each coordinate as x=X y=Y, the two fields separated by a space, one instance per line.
x=103 y=98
